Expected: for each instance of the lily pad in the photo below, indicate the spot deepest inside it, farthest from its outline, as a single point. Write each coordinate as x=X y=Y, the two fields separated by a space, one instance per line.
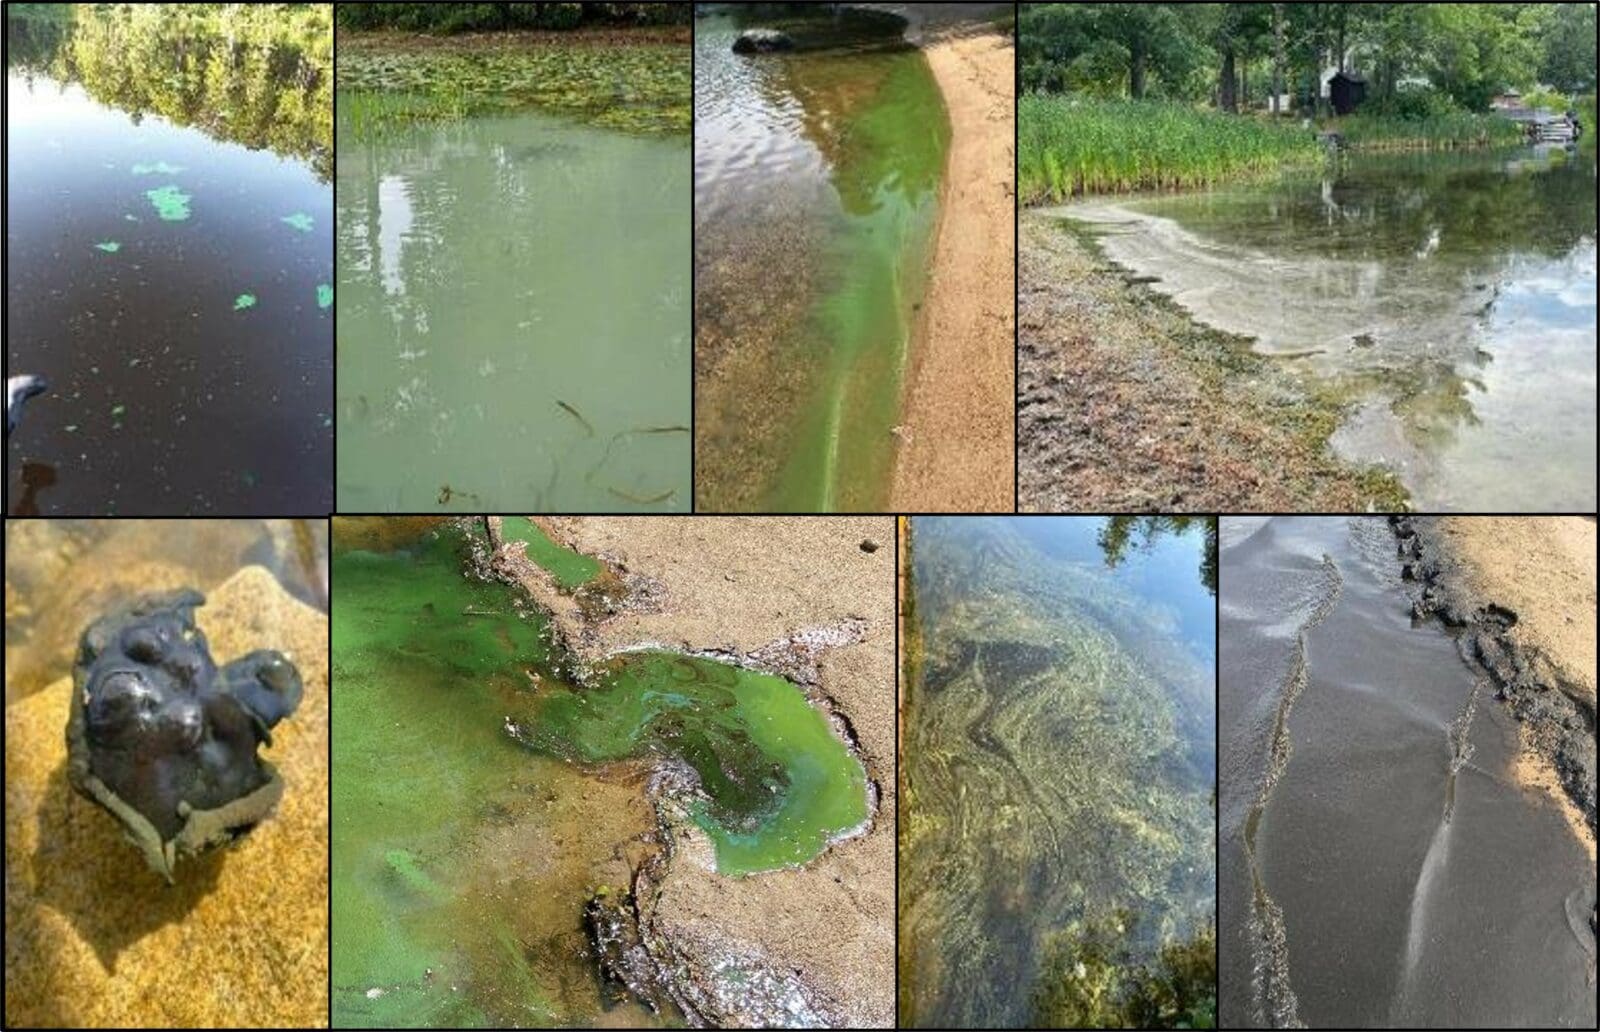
x=244 y=301
x=171 y=203
x=157 y=168
x=324 y=295
x=109 y=246
x=299 y=220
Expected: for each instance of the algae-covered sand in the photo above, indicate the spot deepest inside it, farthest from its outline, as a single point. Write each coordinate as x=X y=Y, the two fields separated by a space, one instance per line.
x=629 y=734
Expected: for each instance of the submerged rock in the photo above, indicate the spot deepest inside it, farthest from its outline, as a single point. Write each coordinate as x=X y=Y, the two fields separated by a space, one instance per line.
x=164 y=739
x=762 y=41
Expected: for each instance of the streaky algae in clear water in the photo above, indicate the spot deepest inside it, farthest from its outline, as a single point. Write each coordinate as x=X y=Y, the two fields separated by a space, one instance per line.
x=460 y=875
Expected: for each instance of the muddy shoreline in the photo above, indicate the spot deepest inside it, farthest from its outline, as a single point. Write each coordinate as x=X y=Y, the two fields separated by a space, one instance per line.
x=1124 y=402
x=808 y=599
x=955 y=450
x=1557 y=716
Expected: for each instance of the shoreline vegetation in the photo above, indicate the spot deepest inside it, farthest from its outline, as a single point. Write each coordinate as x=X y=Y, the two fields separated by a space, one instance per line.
x=1071 y=147
x=617 y=66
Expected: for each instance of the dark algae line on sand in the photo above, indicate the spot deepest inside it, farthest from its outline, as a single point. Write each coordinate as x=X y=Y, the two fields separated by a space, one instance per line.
x=824 y=162
x=1055 y=853
x=488 y=787
x=1375 y=846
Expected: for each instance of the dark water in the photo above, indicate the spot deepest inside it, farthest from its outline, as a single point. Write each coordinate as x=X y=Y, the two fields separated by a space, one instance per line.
x=1378 y=865
x=171 y=392
x=1449 y=297
x=1059 y=753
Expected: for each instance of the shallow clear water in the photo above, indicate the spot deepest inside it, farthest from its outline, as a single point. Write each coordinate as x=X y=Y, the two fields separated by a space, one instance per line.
x=823 y=163
x=166 y=396
x=1372 y=819
x=1059 y=751
x=513 y=318
x=1452 y=297
x=480 y=800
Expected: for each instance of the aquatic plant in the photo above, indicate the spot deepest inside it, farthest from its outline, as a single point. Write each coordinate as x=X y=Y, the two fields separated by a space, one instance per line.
x=299 y=220
x=109 y=246
x=324 y=295
x=1444 y=131
x=1069 y=146
x=1094 y=978
x=244 y=301
x=639 y=88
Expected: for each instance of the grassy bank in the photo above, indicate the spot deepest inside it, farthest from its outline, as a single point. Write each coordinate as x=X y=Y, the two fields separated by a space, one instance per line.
x=1071 y=146
x=1434 y=132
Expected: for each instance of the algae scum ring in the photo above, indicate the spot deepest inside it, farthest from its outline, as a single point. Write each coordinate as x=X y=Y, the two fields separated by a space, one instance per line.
x=164 y=739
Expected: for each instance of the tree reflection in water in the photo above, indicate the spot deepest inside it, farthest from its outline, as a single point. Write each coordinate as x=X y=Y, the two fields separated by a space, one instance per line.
x=260 y=75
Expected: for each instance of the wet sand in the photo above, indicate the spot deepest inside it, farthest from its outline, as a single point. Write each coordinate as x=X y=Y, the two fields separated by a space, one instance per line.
x=1125 y=403
x=761 y=588
x=956 y=444
x=1542 y=568
x=1379 y=863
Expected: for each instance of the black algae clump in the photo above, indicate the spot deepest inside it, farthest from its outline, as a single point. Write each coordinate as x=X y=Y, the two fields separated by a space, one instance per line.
x=164 y=739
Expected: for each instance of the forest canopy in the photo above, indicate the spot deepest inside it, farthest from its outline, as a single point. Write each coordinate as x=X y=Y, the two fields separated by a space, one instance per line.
x=1432 y=56
x=490 y=17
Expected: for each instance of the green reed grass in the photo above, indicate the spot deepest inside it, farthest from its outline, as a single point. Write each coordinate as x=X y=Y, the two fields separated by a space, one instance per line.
x=1450 y=131
x=1071 y=146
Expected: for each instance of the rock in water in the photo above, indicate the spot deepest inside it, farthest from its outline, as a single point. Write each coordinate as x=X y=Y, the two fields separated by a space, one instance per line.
x=762 y=41
x=164 y=739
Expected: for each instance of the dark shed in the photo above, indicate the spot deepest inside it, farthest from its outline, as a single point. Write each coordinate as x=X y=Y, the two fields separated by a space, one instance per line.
x=1346 y=90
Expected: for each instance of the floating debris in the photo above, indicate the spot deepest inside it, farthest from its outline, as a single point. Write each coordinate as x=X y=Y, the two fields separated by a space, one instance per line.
x=171 y=203
x=244 y=301
x=157 y=168
x=324 y=295
x=109 y=246
x=299 y=220
x=117 y=411
x=575 y=414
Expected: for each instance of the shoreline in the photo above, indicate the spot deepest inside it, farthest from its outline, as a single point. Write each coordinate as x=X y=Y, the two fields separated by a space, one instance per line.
x=1506 y=587
x=955 y=444
x=396 y=39
x=1126 y=402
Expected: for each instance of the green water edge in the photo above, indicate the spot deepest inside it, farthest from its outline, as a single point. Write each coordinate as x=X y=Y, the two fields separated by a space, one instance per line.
x=641 y=88
x=887 y=170
x=451 y=673
x=570 y=569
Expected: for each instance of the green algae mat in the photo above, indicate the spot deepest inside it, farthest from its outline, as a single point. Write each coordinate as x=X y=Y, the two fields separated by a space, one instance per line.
x=481 y=799
x=827 y=160
x=640 y=88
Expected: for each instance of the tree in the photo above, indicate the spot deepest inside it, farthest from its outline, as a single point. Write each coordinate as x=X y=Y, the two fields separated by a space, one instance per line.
x=1567 y=44
x=1277 y=58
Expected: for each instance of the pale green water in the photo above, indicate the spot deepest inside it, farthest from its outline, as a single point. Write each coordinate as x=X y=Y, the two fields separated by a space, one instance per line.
x=513 y=317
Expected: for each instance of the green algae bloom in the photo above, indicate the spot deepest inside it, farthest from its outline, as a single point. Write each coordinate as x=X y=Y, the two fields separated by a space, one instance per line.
x=171 y=203
x=109 y=246
x=570 y=569
x=778 y=784
x=324 y=295
x=244 y=301
x=299 y=220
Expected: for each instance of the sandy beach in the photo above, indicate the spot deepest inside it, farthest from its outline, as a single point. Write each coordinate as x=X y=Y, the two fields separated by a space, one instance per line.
x=956 y=444
x=1542 y=568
